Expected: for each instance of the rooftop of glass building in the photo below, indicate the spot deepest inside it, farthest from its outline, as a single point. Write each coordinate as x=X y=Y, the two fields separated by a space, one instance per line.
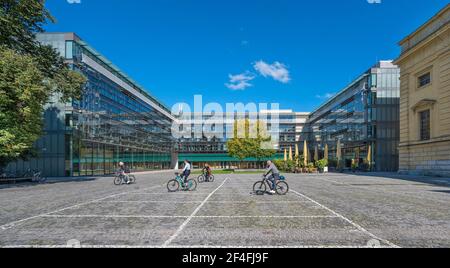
x=70 y=36
x=384 y=64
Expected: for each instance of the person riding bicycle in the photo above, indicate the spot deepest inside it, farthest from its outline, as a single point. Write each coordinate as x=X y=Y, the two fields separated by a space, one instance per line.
x=275 y=175
x=122 y=173
x=186 y=171
x=207 y=172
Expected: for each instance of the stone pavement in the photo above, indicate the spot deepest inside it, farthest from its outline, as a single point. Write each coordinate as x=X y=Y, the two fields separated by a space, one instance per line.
x=323 y=210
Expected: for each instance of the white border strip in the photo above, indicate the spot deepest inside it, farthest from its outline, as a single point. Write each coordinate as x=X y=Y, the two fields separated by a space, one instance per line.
x=347 y=220
x=181 y=228
x=186 y=247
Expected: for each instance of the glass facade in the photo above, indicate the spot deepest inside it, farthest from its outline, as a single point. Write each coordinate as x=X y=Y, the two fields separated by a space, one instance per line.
x=214 y=150
x=115 y=121
x=363 y=119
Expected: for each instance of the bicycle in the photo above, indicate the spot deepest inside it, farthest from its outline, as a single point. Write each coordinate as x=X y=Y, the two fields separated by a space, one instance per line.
x=177 y=183
x=205 y=178
x=37 y=177
x=120 y=179
x=34 y=175
x=260 y=187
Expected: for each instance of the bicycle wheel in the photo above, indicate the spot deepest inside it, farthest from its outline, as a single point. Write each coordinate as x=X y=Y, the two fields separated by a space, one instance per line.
x=260 y=187
x=192 y=185
x=282 y=188
x=211 y=178
x=132 y=179
x=117 y=180
x=35 y=178
x=201 y=179
x=173 y=186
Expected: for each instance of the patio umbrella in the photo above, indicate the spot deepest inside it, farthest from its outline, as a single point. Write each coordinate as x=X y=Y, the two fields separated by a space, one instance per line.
x=305 y=153
x=326 y=152
x=290 y=154
x=339 y=151
x=369 y=156
x=285 y=154
x=357 y=154
x=316 y=154
x=296 y=153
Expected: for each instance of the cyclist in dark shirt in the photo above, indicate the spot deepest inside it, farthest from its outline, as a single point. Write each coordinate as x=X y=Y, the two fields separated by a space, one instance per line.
x=122 y=171
x=207 y=171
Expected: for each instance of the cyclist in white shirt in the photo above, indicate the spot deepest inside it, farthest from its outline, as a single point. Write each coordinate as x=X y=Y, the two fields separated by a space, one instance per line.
x=186 y=171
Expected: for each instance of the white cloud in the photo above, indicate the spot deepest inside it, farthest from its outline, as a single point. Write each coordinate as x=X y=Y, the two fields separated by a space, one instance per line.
x=276 y=70
x=325 y=96
x=240 y=81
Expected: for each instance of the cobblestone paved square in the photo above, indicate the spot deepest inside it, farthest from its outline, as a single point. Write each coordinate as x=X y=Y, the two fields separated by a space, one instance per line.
x=329 y=210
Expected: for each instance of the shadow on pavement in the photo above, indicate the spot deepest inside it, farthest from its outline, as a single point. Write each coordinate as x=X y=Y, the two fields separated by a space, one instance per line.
x=436 y=181
x=49 y=181
x=438 y=191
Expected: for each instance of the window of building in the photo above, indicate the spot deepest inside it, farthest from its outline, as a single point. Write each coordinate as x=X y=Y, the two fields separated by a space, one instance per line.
x=424 y=79
x=68 y=120
x=373 y=80
x=425 y=125
x=69 y=50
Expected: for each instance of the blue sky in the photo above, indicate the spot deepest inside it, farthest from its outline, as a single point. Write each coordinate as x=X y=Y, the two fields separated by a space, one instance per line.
x=292 y=52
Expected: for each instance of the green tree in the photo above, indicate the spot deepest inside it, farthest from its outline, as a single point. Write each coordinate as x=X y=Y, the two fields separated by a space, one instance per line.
x=23 y=94
x=30 y=73
x=239 y=148
x=264 y=145
x=250 y=140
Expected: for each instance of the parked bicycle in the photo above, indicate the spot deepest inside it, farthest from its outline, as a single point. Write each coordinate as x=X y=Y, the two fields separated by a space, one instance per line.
x=123 y=178
x=30 y=175
x=34 y=176
x=178 y=183
x=281 y=186
x=205 y=178
x=5 y=175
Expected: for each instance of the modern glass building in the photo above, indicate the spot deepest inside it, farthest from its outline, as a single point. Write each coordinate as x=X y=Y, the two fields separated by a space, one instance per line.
x=363 y=119
x=213 y=150
x=115 y=121
x=118 y=121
